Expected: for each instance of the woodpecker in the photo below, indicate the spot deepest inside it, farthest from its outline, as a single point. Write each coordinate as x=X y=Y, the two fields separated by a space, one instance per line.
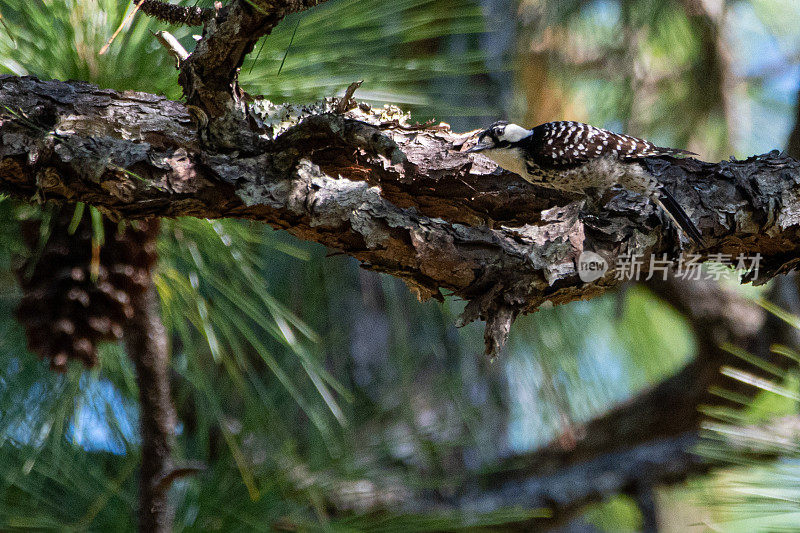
x=575 y=157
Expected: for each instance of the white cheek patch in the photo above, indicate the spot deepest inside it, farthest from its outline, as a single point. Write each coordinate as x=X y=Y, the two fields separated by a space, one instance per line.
x=514 y=133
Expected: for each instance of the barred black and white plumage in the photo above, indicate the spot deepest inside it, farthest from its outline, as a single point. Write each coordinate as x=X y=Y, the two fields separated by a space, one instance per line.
x=572 y=156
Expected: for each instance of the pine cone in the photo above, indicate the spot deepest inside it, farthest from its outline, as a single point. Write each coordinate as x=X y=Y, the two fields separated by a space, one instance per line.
x=66 y=312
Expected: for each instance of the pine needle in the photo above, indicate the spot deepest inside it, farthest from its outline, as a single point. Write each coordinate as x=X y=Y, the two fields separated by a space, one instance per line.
x=260 y=48
x=121 y=25
x=8 y=31
x=77 y=215
x=290 y=43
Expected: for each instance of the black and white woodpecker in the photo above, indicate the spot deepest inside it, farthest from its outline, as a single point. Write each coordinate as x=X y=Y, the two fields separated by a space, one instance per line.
x=575 y=157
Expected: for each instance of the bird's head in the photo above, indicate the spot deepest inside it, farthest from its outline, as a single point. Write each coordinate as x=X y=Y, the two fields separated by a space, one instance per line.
x=498 y=136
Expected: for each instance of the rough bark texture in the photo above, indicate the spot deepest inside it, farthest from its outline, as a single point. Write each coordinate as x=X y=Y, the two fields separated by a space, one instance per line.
x=400 y=199
x=209 y=76
x=174 y=14
x=146 y=341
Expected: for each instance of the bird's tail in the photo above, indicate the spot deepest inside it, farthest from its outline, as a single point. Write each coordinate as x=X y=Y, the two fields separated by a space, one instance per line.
x=668 y=203
x=671 y=151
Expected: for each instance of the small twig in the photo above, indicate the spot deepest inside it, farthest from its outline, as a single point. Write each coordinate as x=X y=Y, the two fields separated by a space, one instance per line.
x=178 y=15
x=172 y=44
x=121 y=25
x=175 y=474
x=346 y=102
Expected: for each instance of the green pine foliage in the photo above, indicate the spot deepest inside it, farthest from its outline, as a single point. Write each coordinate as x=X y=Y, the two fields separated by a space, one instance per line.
x=302 y=382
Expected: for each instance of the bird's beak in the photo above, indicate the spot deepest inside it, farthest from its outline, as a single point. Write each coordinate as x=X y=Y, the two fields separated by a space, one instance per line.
x=478 y=148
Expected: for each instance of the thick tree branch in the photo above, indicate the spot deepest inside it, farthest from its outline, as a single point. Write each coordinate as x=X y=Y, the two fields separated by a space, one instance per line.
x=401 y=200
x=646 y=442
x=562 y=494
x=567 y=491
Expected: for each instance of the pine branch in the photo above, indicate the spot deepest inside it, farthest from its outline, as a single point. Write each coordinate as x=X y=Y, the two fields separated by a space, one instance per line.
x=400 y=199
x=176 y=15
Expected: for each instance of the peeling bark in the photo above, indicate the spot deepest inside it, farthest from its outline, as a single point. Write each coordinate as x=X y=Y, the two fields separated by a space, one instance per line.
x=399 y=198
x=175 y=14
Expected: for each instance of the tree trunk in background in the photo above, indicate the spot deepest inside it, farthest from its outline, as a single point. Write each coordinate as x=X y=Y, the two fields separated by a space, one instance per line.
x=148 y=346
x=146 y=341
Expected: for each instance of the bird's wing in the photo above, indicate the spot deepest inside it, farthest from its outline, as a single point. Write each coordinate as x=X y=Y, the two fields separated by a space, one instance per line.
x=573 y=143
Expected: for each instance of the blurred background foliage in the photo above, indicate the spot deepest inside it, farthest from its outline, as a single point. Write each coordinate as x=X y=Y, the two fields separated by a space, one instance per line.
x=306 y=384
